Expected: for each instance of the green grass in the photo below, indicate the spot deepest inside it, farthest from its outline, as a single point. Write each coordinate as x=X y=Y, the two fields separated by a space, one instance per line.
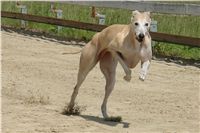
x=179 y=25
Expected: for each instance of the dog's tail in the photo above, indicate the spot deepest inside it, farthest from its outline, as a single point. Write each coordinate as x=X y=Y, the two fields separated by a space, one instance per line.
x=73 y=52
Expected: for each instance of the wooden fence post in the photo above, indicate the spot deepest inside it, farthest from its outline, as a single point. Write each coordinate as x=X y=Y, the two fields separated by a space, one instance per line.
x=101 y=18
x=23 y=10
x=153 y=28
x=59 y=15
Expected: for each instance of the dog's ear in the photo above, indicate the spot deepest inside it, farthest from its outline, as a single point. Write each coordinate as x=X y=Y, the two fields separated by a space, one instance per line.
x=148 y=13
x=135 y=12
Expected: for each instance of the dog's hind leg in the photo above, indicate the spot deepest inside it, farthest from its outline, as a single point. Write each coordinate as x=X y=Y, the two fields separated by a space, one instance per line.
x=108 y=67
x=88 y=60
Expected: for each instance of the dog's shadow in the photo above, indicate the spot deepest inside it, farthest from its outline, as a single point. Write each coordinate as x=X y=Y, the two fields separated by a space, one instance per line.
x=102 y=121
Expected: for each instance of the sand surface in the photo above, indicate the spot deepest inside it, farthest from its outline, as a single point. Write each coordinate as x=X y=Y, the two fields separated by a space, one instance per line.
x=37 y=82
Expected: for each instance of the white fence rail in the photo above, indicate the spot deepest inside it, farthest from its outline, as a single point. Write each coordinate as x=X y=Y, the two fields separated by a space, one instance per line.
x=157 y=7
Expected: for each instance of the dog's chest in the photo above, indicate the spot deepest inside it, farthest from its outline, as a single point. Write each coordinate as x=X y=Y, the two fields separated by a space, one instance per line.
x=131 y=55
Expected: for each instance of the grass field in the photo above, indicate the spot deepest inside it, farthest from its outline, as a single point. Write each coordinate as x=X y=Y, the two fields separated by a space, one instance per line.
x=179 y=25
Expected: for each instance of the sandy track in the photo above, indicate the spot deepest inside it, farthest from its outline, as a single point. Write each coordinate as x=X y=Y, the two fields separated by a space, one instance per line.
x=37 y=81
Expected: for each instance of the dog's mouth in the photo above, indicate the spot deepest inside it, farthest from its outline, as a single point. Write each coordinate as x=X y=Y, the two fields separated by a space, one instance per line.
x=139 y=39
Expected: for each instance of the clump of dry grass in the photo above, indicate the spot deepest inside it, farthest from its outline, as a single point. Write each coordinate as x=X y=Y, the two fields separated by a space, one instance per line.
x=76 y=110
x=114 y=118
x=36 y=98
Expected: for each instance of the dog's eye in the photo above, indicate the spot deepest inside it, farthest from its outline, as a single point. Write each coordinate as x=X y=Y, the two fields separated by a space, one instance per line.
x=136 y=24
x=146 y=24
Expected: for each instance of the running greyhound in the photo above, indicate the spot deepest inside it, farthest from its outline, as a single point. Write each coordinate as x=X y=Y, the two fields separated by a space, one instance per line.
x=126 y=44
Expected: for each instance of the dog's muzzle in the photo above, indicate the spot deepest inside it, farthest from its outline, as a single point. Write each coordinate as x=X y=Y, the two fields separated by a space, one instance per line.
x=139 y=40
x=140 y=37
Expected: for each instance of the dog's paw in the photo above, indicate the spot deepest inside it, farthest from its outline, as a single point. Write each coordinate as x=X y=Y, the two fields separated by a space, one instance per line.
x=73 y=109
x=127 y=78
x=142 y=78
x=142 y=75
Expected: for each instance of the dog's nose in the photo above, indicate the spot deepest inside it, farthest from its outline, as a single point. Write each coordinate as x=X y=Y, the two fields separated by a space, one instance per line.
x=141 y=36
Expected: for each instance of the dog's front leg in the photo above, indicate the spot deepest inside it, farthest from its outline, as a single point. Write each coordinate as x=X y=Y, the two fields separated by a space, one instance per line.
x=146 y=55
x=114 y=47
x=127 y=71
x=144 y=69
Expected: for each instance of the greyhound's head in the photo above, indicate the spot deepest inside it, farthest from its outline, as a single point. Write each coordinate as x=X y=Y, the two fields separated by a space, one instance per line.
x=141 y=24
